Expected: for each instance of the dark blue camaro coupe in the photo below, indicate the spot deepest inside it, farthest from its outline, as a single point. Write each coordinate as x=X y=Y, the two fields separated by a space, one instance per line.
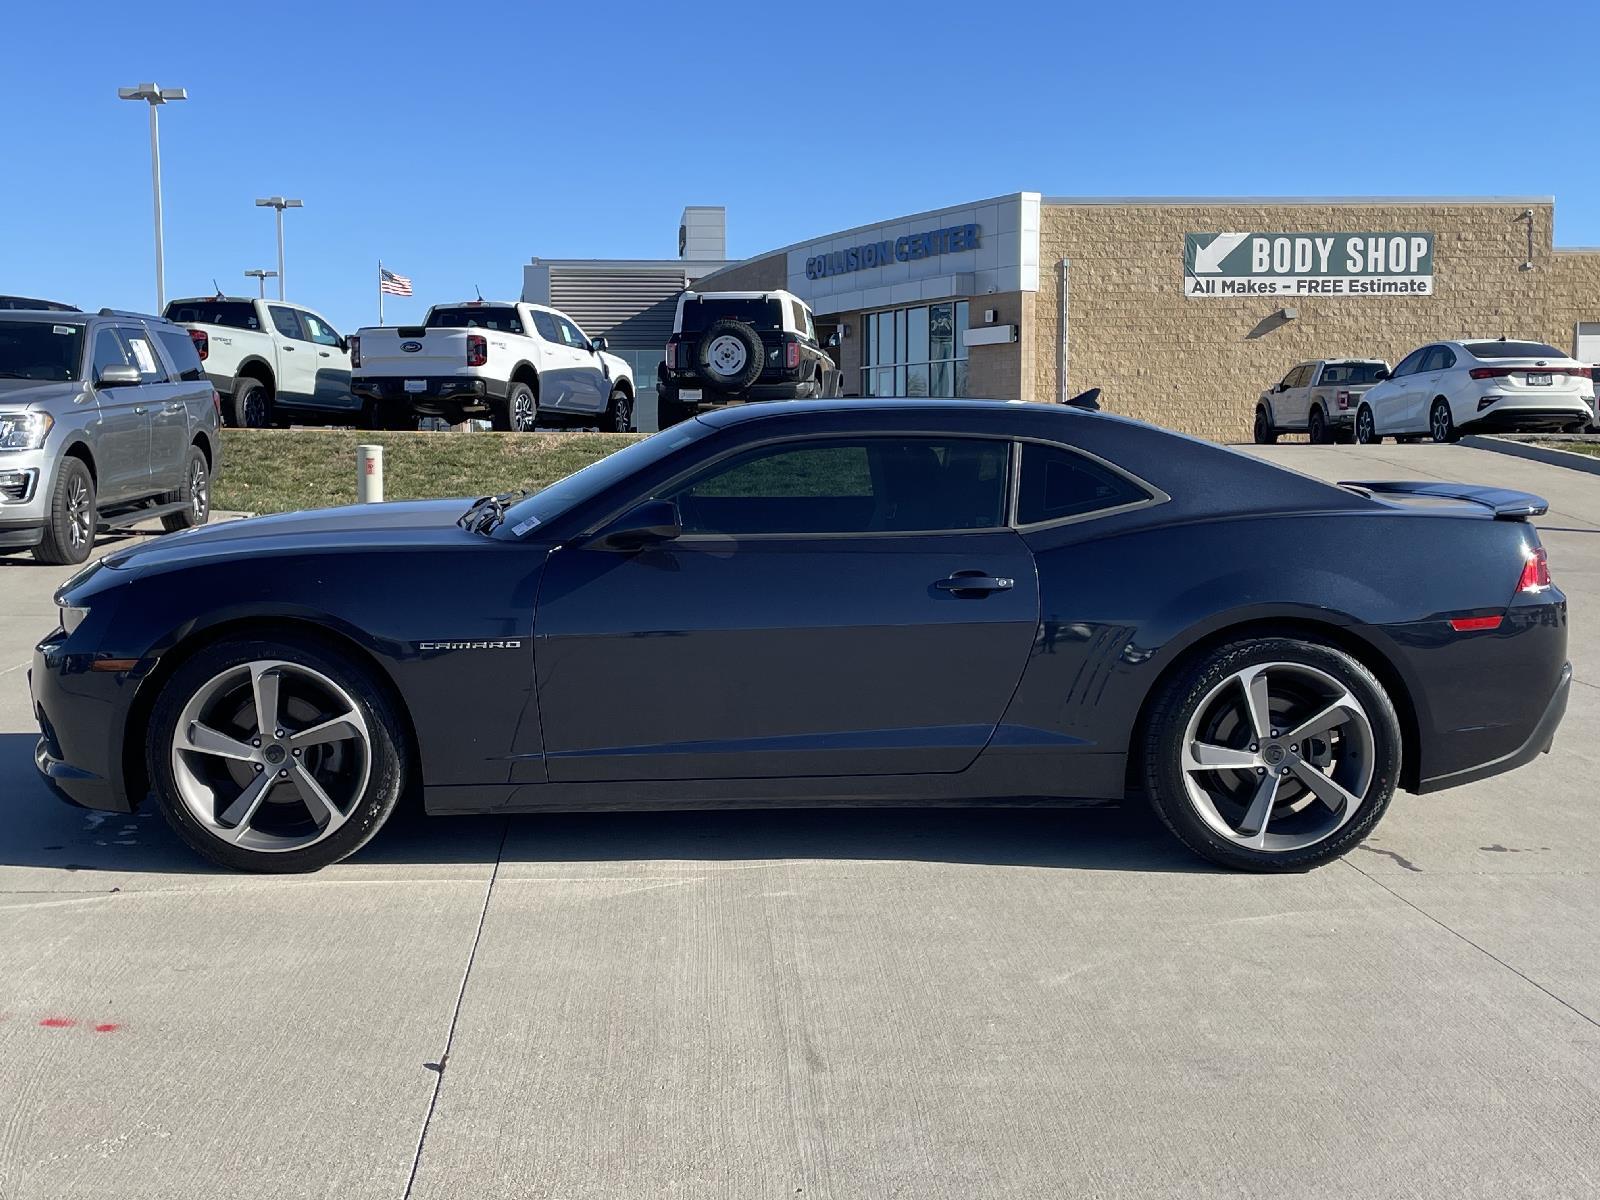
x=901 y=602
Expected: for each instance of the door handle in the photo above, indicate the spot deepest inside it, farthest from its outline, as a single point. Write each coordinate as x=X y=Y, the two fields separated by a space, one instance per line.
x=289 y=348
x=175 y=406
x=140 y=410
x=324 y=354
x=974 y=584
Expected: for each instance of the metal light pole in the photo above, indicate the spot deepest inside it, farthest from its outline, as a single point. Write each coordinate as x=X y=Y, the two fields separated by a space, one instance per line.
x=279 y=203
x=155 y=97
x=263 y=276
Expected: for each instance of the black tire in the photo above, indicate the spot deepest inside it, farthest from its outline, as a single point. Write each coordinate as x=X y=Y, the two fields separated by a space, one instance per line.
x=388 y=753
x=1366 y=428
x=1317 y=428
x=619 y=412
x=72 y=520
x=716 y=363
x=1163 y=749
x=1265 y=434
x=1442 y=422
x=519 y=413
x=195 y=493
x=251 y=404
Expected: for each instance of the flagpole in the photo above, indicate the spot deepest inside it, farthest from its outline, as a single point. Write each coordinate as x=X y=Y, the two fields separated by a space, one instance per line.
x=380 y=291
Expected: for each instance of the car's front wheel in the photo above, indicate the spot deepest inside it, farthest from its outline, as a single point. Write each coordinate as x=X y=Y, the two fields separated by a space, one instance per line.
x=1366 y=427
x=1442 y=422
x=72 y=517
x=619 y=412
x=1265 y=434
x=1274 y=754
x=275 y=755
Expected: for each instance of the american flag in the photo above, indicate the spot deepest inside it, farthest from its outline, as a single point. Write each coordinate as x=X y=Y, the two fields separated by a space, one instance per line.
x=392 y=284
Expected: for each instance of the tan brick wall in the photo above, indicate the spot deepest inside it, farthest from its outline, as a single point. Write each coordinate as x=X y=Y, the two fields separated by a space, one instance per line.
x=996 y=372
x=1199 y=365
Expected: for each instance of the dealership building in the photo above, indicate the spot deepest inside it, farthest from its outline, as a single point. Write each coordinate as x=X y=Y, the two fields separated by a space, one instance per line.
x=1181 y=310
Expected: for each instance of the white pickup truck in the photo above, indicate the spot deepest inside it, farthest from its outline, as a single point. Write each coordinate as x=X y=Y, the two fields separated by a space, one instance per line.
x=269 y=359
x=514 y=362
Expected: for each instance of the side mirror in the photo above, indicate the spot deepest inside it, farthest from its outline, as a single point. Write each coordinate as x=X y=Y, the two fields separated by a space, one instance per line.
x=344 y=344
x=647 y=524
x=1282 y=387
x=110 y=377
x=1381 y=374
x=833 y=340
x=598 y=344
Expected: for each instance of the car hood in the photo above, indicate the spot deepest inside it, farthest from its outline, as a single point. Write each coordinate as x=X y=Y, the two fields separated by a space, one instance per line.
x=402 y=524
x=23 y=393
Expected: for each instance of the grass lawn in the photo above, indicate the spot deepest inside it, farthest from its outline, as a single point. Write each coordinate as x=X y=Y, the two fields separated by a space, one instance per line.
x=1590 y=448
x=278 y=470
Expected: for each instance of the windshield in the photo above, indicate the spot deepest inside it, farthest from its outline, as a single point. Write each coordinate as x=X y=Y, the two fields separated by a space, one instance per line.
x=505 y=320
x=1366 y=372
x=230 y=314
x=543 y=507
x=1513 y=350
x=40 y=350
x=764 y=315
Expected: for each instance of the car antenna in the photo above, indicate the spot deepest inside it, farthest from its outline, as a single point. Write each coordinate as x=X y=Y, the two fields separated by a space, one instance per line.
x=1088 y=401
x=479 y=290
x=216 y=285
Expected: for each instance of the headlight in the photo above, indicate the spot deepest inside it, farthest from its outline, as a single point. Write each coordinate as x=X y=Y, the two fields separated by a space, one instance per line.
x=72 y=617
x=24 y=430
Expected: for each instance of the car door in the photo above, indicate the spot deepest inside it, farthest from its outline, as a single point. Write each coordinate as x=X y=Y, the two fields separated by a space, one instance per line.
x=168 y=415
x=1432 y=379
x=1282 y=397
x=122 y=430
x=558 y=364
x=332 y=362
x=811 y=619
x=297 y=358
x=591 y=382
x=1390 y=400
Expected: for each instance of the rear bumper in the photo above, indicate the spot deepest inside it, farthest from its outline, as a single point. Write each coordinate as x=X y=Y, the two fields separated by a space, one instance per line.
x=1517 y=414
x=438 y=393
x=786 y=389
x=1538 y=742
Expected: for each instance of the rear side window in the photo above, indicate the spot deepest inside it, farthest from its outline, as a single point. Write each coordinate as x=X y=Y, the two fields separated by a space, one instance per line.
x=547 y=327
x=765 y=315
x=1351 y=372
x=180 y=349
x=232 y=314
x=1057 y=483
x=1493 y=350
x=502 y=319
x=287 y=322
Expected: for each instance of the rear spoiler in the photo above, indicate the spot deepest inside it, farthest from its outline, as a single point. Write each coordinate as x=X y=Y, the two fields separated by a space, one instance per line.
x=1506 y=504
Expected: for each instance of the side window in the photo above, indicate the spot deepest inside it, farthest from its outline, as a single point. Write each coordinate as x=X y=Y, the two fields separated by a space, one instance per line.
x=845 y=486
x=1058 y=483
x=318 y=330
x=546 y=326
x=144 y=355
x=1290 y=379
x=802 y=322
x=108 y=352
x=287 y=322
x=1409 y=363
x=572 y=335
x=1448 y=358
x=180 y=349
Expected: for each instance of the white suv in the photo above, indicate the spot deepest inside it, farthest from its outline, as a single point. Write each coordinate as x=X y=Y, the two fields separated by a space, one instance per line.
x=1447 y=387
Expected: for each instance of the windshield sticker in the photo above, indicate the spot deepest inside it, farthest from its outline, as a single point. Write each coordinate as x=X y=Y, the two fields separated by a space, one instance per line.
x=141 y=351
x=64 y=329
x=523 y=527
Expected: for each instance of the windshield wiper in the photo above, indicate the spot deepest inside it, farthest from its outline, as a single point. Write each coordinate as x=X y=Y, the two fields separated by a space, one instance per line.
x=488 y=511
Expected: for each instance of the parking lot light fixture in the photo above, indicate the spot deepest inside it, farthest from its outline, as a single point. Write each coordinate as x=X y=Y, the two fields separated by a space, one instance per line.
x=155 y=97
x=261 y=276
x=280 y=203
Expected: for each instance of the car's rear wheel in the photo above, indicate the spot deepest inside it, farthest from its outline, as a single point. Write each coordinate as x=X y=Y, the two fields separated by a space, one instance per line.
x=1366 y=427
x=275 y=755
x=72 y=517
x=251 y=405
x=1265 y=434
x=521 y=411
x=1317 y=428
x=1274 y=754
x=1441 y=422
x=619 y=412
x=195 y=493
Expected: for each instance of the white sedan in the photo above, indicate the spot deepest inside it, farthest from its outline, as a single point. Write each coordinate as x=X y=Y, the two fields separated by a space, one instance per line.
x=1447 y=387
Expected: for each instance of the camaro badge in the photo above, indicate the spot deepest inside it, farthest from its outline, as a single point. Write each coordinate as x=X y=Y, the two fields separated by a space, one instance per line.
x=507 y=644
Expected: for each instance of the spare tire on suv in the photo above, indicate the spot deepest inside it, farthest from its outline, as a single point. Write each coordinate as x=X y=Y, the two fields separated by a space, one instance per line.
x=731 y=355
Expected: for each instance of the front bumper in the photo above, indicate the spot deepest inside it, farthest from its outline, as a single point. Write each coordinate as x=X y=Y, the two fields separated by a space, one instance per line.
x=81 y=714
x=25 y=506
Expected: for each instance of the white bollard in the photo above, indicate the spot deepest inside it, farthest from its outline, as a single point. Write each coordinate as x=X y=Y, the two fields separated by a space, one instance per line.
x=369 y=474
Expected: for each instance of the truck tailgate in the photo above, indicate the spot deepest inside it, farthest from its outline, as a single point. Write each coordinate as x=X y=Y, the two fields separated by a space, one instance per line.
x=412 y=350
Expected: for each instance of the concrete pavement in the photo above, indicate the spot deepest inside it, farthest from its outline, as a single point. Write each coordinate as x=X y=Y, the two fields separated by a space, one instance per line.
x=822 y=1004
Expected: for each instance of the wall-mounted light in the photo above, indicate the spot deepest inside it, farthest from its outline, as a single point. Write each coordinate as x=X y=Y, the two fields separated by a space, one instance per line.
x=991 y=315
x=1288 y=314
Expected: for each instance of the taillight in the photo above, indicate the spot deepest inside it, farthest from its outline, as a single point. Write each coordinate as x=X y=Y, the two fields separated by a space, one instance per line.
x=1535 y=572
x=791 y=355
x=202 y=343
x=477 y=350
x=355 y=350
x=1507 y=372
x=1344 y=400
x=671 y=357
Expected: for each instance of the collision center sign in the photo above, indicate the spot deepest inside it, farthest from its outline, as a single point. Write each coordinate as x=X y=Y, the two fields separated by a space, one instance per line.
x=1307 y=264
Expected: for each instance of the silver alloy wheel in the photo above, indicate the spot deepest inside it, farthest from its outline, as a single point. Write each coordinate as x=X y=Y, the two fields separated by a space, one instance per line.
x=271 y=756
x=1441 y=422
x=727 y=355
x=1366 y=429
x=1278 y=757
x=80 y=518
x=522 y=412
x=199 y=491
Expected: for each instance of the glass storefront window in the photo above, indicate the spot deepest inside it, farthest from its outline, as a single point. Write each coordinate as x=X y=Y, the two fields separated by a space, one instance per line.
x=916 y=351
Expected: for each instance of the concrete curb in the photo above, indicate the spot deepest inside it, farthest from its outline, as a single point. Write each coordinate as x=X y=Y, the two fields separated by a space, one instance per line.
x=1587 y=463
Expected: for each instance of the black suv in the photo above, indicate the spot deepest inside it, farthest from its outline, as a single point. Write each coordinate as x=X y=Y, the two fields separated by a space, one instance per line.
x=728 y=346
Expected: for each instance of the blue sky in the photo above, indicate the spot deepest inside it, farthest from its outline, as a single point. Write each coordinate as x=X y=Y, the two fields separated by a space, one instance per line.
x=455 y=142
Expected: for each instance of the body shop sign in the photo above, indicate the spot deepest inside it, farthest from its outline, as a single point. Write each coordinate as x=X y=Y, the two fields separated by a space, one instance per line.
x=1307 y=264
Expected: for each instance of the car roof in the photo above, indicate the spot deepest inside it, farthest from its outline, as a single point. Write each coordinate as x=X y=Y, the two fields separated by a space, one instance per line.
x=739 y=414
x=769 y=294
x=58 y=316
